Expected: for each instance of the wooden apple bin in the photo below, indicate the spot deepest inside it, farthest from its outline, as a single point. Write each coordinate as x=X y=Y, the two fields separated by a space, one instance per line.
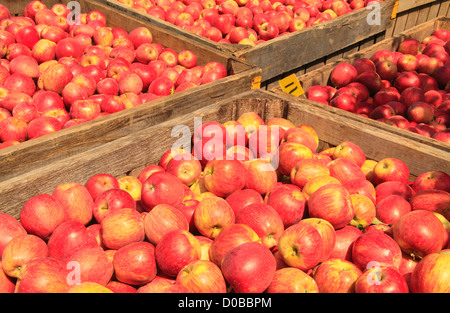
x=321 y=76
x=130 y=154
x=294 y=50
x=38 y=152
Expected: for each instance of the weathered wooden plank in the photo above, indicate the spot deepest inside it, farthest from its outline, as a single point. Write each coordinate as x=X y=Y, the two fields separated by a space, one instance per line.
x=406 y=5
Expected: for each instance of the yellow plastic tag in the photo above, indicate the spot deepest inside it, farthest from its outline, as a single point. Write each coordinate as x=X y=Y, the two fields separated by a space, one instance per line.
x=291 y=85
x=395 y=9
x=256 y=83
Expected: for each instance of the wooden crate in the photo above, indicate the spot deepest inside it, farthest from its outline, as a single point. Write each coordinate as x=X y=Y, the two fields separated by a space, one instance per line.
x=415 y=12
x=321 y=77
x=129 y=155
x=291 y=51
x=41 y=151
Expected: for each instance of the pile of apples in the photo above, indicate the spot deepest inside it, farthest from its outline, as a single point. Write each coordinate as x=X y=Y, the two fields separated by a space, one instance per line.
x=227 y=217
x=408 y=88
x=247 y=22
x=55 y=74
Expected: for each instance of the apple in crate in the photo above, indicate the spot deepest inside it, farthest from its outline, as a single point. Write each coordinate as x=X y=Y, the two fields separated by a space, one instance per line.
x=212 y=215
x=121 y=227
x=41 y=215
x=20 y=250
x=249 y=267
x=67 y=237
x=230 y=237
x=92 y=262
x=336 y=276
x=381 y=279
x=175 y=250
x=431 y=274
x=162 y=219
x=376 y=246
x=264 y=220
x=419 y=233
x=292 y=280
x=202 y=276
x=43 y=275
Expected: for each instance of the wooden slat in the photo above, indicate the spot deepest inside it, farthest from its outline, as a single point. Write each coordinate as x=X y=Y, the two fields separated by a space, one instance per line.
x=406 y=5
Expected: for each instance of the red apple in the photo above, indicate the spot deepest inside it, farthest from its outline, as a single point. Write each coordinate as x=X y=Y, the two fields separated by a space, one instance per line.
x=12 y=128
x=390 y=169
x=20 y=250
x=381 y=279
x=343 y=74
x=391 y=208
x=41 y=215
x=162 y=219
x=420 y=112
x=223 y=177
x=351 y=151
x=139 y=36
x=212 y=215
x=407 y=79
x=290 y=153
x=55 y=77
x=387 y=70
x=7 y=284
x=99 y=183
x=387 y=188
x=43 y=125
x=135 y=263
x=336 y=276
x=202 y=276
x=364 y=210
x=243 y=197
x=376 y=247
x=410 y=46
x=289 y=202
x=76 y=201
x=21 y=83
x=292 y=280
x=43 y=275
x=121 y=227
x=433 y=200
x=251 y=259
x=229 y=238
x=264 y=220
x=67 y=237
x=175 y=250
x=186 y=167
x=301 y=246
x=419 y=233
x=430 y=274
x=92 y=262
x=260 y=175
x=345 y=237
x=161 y=188
x=333 y=204
x=112 y=199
